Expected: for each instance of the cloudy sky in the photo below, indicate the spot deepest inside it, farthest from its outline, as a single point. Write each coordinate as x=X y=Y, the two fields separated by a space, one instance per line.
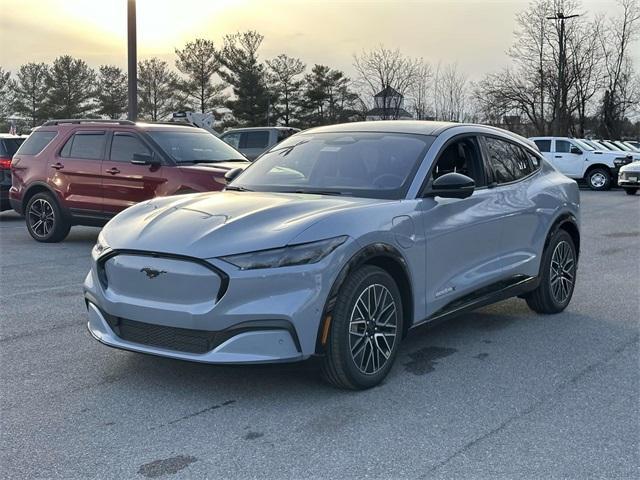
x=473 y=33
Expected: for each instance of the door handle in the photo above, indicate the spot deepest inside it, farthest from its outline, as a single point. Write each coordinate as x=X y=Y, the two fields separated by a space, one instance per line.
x=57 y=166
x=558 y=156
x=113 y=171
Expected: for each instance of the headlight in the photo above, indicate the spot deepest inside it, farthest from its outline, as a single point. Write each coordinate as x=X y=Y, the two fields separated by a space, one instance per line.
x=100 y=247
x=301 y=254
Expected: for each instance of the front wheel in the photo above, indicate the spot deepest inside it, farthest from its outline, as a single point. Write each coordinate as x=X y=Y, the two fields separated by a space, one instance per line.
x=366 y=328
x=45 y=220
x=630 y=191
x=599 y=179
x=557 y=275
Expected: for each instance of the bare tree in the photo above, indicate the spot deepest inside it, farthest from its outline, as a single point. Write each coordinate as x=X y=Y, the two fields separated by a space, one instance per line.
x=450 y=93
x=616 y=41
x=421 y=92
x=382 y=69
x=586 y=63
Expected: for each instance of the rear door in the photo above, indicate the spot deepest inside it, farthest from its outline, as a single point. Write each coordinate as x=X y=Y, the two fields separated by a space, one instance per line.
x=75 y=171
x=125 y=183
x=513 y=170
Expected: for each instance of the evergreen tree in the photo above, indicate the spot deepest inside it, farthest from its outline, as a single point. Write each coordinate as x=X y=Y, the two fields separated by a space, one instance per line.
x=327 y=97
x=285 y=85
x=156 y=84
x=243 y=71
x=112 y=91
x=199 y=62
x=30 y=92
x=70 y=88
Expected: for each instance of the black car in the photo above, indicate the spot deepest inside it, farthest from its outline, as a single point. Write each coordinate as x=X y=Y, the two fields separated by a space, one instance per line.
x=8 y=146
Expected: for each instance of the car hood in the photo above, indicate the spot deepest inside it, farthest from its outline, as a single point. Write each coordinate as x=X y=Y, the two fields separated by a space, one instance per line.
x=631 y=167
x=220 y=167
x=207 y=225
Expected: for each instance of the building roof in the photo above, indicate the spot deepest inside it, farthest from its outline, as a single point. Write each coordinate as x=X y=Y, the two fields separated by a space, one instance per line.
x=388 y=92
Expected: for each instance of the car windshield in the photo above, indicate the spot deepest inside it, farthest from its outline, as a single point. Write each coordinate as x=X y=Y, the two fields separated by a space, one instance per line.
x=194 y=147
x=583 y=145
x=361 y=164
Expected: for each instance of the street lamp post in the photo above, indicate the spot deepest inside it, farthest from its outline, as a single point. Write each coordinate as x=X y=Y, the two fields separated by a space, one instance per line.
x=132 y=60
x=561 y=112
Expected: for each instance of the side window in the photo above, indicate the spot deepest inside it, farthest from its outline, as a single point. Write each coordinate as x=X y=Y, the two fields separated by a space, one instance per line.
x=86 y=145
x=36 y=142
x=257 y=139
x=562 y=146
x=543 y=145
x=232 y=139
x=461 y=156
x=125 y=146
x=535 y=161
x=507 y=161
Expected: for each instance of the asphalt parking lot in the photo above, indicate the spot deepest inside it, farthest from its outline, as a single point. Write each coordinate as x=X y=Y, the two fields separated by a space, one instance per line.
x=498 y=393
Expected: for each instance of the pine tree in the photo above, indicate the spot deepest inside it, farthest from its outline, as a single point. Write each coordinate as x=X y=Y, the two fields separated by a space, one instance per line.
x=156 y=86
x=112 y=91
x=285 y=85
x=30 y=92
x=199 y=62
x=243 y=71
x=70 y=85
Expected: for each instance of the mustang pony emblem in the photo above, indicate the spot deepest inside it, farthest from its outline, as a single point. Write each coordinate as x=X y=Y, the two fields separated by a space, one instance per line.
x=151 y=272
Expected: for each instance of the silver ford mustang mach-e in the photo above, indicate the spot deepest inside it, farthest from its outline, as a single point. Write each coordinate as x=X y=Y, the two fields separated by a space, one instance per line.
x=336 y=243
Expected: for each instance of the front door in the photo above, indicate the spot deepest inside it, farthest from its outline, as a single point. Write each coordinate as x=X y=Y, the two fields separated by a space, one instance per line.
x=566 y=159
x=462 y=235
x=75 y=171
x=125 y=183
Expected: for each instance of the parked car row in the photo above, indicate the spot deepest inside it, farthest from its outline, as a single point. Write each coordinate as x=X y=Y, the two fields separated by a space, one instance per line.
x=587 y=160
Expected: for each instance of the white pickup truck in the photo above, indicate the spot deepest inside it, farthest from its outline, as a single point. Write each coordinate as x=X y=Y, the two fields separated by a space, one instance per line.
x=579 y=161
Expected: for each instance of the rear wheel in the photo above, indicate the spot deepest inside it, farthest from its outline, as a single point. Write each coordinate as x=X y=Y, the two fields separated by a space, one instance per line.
x=45 y=220
x=630 y=191
x=557 y=275
x=366 y=328
x=599 y=179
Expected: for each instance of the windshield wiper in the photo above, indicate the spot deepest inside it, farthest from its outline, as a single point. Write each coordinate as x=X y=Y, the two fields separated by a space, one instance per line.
x=215 y=161
x=320 y=192
x=236 y=188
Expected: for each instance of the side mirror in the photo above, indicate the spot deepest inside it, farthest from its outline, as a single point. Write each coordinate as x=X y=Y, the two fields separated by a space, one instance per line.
x=451 y=185
x=145 y=159
x=231 y=174
x=576 y=151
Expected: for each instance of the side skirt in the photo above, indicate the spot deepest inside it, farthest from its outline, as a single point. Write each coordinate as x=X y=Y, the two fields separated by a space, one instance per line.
x=496 y=292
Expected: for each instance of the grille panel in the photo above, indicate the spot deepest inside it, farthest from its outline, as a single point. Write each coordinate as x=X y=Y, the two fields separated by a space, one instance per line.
x=171 y=338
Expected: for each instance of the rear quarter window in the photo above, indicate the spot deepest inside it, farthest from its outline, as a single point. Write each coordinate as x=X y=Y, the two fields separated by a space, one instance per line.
x=36 y=142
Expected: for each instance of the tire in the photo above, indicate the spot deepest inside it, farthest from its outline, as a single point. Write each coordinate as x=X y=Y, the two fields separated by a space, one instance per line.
x=554 y=292
x=598 y=179
x=45 y=220
x=630 y=191
x=374 y=344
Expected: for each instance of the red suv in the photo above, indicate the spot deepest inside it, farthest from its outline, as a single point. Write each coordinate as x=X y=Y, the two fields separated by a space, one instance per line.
x=83 y=172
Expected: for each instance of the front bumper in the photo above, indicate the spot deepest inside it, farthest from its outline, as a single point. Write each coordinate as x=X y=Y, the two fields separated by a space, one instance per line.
x=629 y=179
x=261 y=316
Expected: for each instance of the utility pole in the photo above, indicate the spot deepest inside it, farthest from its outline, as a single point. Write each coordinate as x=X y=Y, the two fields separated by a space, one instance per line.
x=132 y=60
x=561 y=120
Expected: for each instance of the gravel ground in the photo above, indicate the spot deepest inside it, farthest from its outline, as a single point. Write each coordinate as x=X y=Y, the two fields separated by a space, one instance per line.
x=497 y=393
